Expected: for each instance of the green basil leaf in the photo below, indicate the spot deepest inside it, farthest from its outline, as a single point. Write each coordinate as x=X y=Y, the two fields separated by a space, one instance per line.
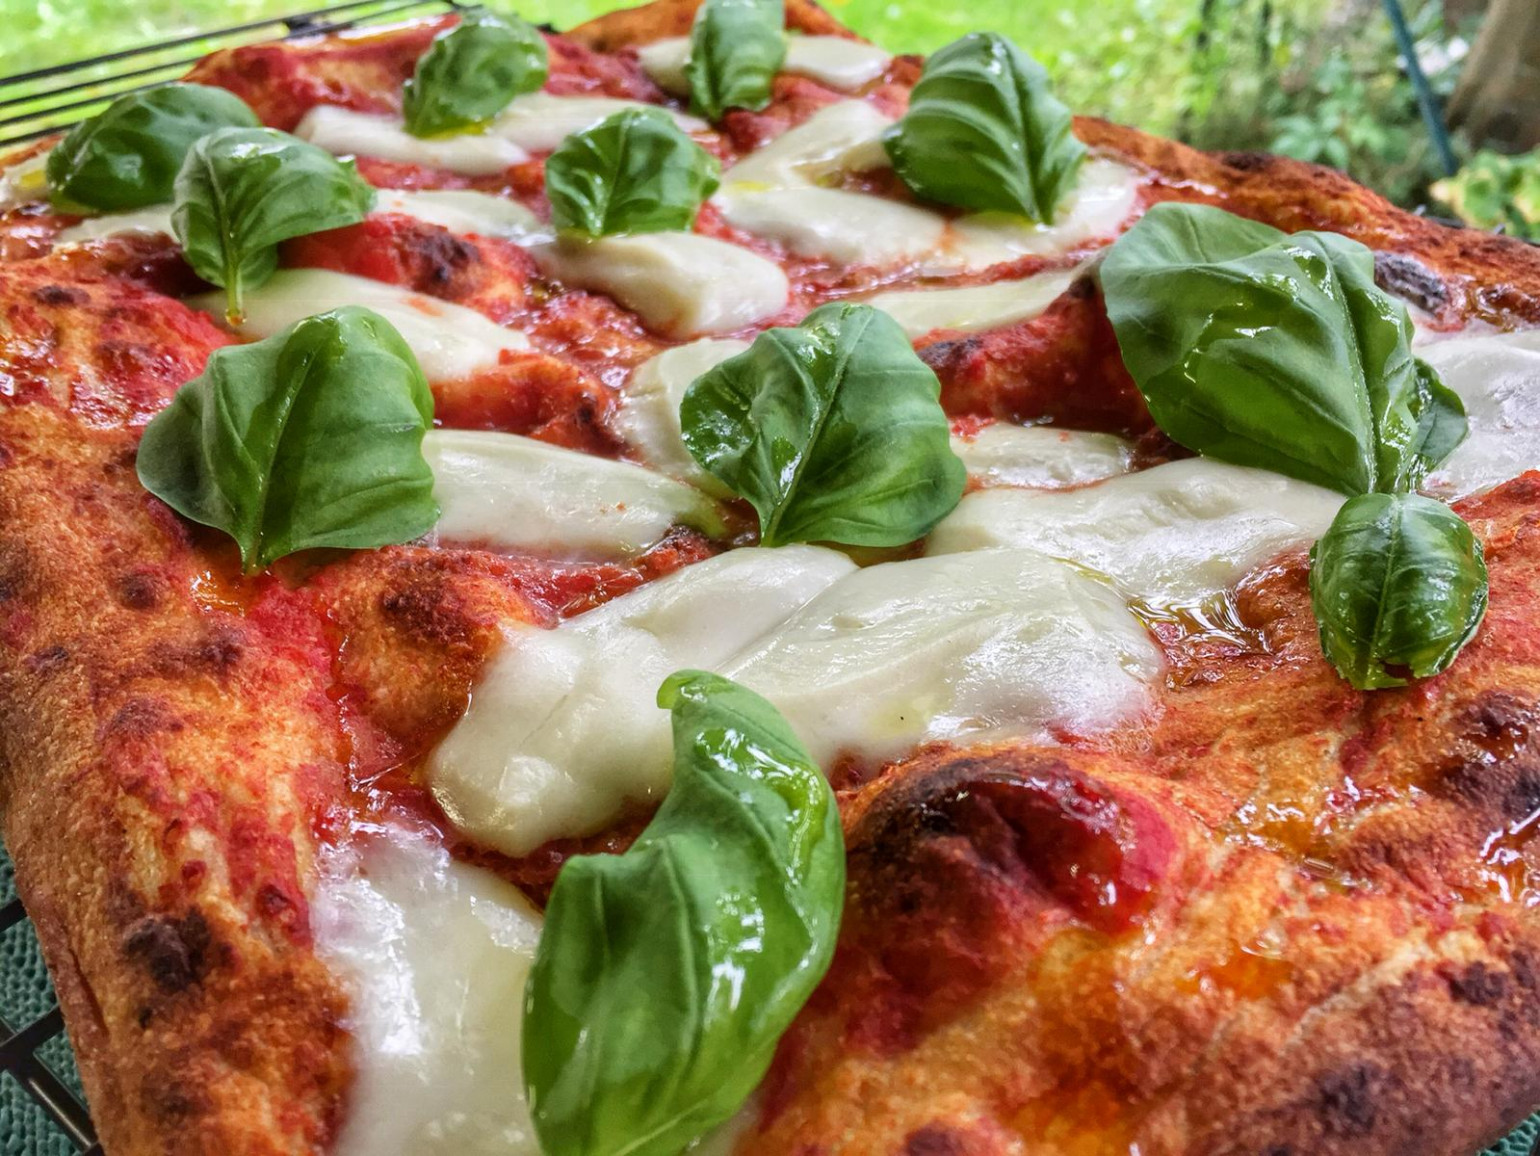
x=128 y=155
x=665 y=976
x=736 y=48
x=633 y=172
x=833 y=431
x=310 y=438
x=1398 y=584
x=471 y=72
x=243 y=190
x=983 y=132
x=1276 y=350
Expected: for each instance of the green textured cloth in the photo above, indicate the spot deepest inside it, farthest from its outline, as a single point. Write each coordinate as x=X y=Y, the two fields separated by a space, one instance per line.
x=25 y=994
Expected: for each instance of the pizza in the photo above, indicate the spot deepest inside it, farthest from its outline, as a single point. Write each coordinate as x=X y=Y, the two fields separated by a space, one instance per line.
x=691 y=584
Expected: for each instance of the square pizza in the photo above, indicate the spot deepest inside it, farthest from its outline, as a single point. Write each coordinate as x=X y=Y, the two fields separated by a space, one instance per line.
x=693 y=585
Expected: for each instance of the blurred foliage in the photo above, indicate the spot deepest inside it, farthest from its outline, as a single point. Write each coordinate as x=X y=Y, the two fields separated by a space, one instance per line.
x=1316 y=79
x=1495 y=191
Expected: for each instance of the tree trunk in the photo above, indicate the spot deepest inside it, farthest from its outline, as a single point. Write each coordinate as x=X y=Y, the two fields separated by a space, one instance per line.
x=1497 y=101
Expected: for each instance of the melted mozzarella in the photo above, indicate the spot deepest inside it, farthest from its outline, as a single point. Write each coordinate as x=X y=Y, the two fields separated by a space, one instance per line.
x=516 y=493
x=1166 y=536
x=564 y=727
x=1041 y=457
x=465 y=211
x=539 y=122
x=680 y=284
x=849 y=228
x=1498 y=378
x=450 y=341
x=649 y=407
x=25 y=181
x=344 y=132
x=836 y=61
x=1105 y=193
x=973 y=307
x=562 y=730
x=779 y=192
x=435 y=954
x=155 y=219
x=1002 y=642
x=775 y=192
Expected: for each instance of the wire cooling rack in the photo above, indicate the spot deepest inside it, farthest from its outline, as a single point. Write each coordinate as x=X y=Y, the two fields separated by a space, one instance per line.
x=42 y=1105
x=44 y=100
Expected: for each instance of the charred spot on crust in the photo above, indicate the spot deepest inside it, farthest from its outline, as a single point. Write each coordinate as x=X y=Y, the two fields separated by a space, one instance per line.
x=444 y=257
x=1028 y=817
x=933 y=1140
x=1478 y=984
x=1247 y=161
x=1349 y=1099
x=173 y=951
x=953 y=354
x=59 y=295
x=1407 y=277
x=425 y=612
x=216 y=653
x=1490 y=765
x=47 y=660
x=140 y=590
x=140 y=718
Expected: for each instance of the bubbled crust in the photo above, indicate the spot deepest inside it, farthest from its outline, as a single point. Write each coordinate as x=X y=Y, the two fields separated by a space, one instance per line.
x=1268 y=921
x=162 y=762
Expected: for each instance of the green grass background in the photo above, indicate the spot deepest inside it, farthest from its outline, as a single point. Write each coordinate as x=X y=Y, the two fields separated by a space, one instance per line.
x=1117 y=58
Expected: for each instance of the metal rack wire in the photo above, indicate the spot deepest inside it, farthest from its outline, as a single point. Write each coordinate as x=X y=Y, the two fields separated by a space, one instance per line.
x=45 y=100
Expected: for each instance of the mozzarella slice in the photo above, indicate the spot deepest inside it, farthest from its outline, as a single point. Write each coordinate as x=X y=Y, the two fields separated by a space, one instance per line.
x=833 y=224
x=25 y=181
x=973 y=307
x=539 y=121
x=1002 y=642
x=649 y=408
x=465 y=211
x=1105 y=194
x=434 y=954
x=562 y=730
x=343 y=132
x=844 y=137
x=516 y=493
x=155 y=219
x=680 y=284
x=778 y=192
x=1041 y=457
x=450 y=341
x=564 y=727
x=1498 y=378
x=836 y=61
x=1166 y=536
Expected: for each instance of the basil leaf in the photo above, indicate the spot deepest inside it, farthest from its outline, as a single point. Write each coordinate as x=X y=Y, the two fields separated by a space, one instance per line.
x=736 y=48
x=633 y=172
x=983 y=132
x=243 y=190
x=1398 y=583
x=665 y=976
x=471 y=72
x=127 y=155
x=310 y=438
x=833 y=430
x=1276 y=350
